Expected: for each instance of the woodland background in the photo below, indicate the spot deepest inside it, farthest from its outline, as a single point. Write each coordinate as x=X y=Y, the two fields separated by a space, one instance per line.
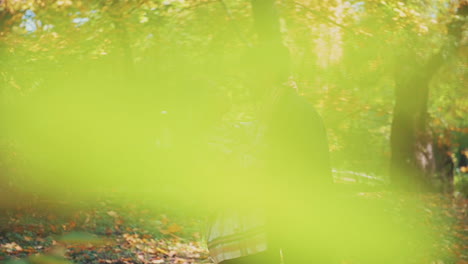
x=82 y=82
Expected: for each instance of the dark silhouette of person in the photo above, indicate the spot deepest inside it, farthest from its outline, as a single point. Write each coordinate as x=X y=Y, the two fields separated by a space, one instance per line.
x=294 y=179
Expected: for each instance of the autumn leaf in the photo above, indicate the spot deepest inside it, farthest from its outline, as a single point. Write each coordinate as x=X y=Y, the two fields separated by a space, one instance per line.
x=113 y=214
x=173 y=228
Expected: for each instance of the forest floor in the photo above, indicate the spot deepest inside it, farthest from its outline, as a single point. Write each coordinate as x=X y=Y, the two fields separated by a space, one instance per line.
x=110 y=231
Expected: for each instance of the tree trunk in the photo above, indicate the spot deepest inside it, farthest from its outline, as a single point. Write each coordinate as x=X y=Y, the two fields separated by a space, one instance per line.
x=412 y=159
x=5 y=23
x=266 y=22
x=413 y=162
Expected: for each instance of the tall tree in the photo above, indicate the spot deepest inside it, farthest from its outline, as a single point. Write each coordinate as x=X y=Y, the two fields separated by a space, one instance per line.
x=6 y=14
x=266 y=22
x=412 y=164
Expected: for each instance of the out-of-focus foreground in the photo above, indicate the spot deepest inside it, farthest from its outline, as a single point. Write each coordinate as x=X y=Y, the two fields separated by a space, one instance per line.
x=160 y=101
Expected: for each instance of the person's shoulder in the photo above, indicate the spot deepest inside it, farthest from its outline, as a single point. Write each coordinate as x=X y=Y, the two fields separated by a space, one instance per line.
x=295 y=106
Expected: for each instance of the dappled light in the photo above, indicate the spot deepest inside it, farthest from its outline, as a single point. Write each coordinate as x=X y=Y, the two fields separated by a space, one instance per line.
x=240 y=131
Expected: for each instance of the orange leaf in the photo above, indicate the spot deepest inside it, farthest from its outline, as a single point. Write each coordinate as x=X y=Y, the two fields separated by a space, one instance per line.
x=174 y=228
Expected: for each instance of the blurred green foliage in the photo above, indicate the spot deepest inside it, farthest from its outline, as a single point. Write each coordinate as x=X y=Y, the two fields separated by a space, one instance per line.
x=122 y=96
x=99 y=77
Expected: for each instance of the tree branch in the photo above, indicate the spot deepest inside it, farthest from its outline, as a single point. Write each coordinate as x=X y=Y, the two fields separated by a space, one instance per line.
x=324 y=18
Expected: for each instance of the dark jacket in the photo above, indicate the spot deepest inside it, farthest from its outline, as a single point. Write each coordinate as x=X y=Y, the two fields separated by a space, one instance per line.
x=298 y=148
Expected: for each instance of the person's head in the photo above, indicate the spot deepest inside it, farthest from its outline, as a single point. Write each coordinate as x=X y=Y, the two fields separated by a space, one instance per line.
x=266 y=67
